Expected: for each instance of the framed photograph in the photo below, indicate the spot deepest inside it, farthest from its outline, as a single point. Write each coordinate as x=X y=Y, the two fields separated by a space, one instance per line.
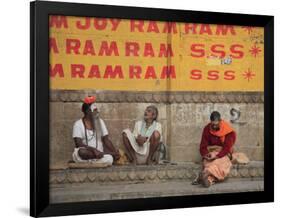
x=144 y=108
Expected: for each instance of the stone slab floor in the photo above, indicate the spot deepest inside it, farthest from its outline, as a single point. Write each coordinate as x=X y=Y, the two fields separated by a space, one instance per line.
x=94 y=191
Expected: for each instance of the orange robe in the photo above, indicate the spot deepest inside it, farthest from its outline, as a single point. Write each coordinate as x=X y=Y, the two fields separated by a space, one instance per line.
x=220 y=144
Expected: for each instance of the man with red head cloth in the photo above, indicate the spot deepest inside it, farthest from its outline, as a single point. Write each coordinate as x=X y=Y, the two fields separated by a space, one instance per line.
x=90 y=135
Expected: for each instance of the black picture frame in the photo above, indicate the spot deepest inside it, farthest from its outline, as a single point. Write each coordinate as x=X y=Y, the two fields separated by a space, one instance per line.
x=39 y=108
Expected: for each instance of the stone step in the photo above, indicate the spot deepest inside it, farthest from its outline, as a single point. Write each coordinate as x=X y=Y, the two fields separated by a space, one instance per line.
x=78 y=192
x=147 y=174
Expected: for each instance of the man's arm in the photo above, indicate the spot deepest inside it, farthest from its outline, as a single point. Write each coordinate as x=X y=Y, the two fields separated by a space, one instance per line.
x=139 y=139
x=228 y=143
x=78 y=143
x=109 y=147
x=204 y=143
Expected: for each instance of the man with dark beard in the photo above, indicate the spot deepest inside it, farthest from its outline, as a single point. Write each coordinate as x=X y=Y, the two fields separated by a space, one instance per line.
x=216 y=149
x=90 y=135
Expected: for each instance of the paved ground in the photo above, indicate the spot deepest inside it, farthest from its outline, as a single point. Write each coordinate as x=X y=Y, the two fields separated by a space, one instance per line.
x=93 y=192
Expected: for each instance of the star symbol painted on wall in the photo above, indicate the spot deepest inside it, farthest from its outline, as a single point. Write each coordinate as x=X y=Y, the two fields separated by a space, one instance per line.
x=255 y=50
x=249 y=29
x=248 y=75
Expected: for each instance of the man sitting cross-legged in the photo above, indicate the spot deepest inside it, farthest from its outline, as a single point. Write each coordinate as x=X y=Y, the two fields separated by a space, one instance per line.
x=91 y=137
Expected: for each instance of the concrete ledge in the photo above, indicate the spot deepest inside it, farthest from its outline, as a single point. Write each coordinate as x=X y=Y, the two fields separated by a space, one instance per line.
x=146 y=174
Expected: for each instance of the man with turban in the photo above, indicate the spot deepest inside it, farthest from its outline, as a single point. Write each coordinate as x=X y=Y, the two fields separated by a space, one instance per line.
x=90 y=135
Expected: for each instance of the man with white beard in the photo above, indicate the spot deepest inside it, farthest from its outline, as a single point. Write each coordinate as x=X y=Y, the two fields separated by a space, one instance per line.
x=92 y=143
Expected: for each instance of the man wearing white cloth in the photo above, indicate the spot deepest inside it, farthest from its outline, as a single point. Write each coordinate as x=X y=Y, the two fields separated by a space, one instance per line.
x=90 y=135
x=143 y=142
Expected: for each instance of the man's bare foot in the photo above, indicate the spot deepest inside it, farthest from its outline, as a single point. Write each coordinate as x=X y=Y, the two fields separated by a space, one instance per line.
x=151 y=162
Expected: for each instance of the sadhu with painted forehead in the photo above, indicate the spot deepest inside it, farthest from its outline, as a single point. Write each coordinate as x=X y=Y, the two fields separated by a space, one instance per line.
x=92 y=143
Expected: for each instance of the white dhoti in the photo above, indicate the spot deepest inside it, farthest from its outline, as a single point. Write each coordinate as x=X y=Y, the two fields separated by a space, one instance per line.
x=140 y=151
x=107 y=158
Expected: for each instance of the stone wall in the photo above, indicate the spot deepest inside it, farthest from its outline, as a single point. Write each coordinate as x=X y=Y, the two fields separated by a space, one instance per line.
x=182 y=115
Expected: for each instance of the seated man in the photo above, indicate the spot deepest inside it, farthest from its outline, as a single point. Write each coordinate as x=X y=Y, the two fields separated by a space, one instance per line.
x=216 y=145
x=90 y=135
x=142 y=144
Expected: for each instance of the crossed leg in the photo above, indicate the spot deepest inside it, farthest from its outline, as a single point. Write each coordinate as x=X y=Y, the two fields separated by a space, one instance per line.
x=86 y=154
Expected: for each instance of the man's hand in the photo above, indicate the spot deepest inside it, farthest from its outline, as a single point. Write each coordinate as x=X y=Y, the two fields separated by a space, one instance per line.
x=98 y=154
x=207 y=156
x=210 y=157
x=141 y=140
x=117 y=155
